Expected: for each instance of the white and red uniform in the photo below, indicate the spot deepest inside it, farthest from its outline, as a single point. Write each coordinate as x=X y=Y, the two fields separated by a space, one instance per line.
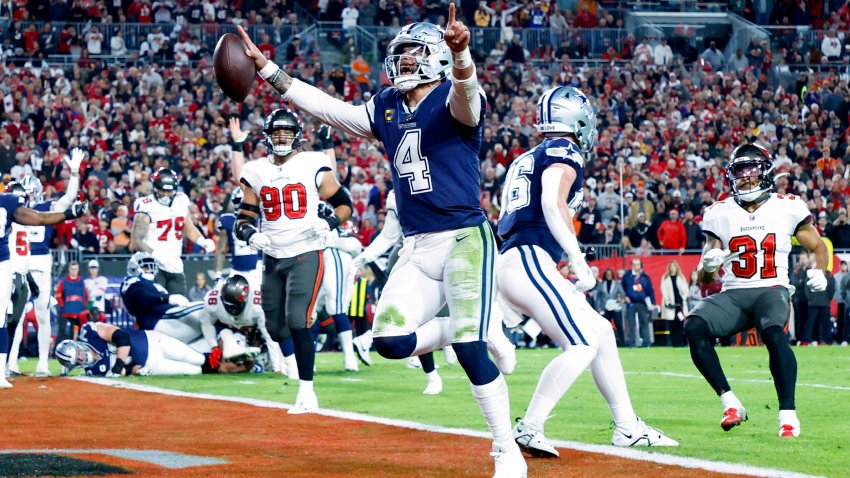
x=165 y=235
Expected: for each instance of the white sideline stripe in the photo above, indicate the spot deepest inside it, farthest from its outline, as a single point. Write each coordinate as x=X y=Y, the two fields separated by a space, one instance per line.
x=630 y=453
x=747 y=380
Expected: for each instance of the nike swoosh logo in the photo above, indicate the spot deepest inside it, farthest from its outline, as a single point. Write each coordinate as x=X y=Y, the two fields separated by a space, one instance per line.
x=627 y=436
x=458 y=239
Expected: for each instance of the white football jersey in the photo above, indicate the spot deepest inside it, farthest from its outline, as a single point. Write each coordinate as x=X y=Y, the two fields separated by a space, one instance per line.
x=760 y=241
x=289 y=200
x=165 y=235
x=19 y=248
x=250 y=316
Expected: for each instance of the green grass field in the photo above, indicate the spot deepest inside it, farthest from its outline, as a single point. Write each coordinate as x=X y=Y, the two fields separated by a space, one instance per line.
x=665 y=388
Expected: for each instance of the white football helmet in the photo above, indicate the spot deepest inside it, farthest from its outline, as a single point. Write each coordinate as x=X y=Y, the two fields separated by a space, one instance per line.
x=565 y=109
x=34 y=190
x=425 y=45
x=142 y=264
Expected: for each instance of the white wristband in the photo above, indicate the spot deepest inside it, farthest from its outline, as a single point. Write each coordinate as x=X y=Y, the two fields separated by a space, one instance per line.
x=463 y=59
x=267 y=71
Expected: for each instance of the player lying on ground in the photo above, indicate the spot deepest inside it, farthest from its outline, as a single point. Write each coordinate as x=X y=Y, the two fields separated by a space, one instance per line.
x=541 y=187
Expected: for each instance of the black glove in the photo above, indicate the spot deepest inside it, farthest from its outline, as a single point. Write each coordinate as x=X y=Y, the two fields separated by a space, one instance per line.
x=324 y=135
x=77 y=209
x=34 y=291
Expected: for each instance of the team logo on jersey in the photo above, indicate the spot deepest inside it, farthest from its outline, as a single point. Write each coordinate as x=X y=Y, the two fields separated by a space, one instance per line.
x=388 y=115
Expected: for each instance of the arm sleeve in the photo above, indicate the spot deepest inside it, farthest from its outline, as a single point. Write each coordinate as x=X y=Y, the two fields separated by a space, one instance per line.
x=551 y=201
x=339 y=114
x=390 y=234
x=70 y=195
x=465 y=100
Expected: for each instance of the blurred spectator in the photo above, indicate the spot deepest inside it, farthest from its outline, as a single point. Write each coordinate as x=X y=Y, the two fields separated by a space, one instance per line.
x=831 y=46
x=738 y=62
x=609 y=300
x=663 y=54
x=117 y=45
x=818 y=326
x=94 y=41
x=200 y=289
x=713 y=56
x=588 y=217
x=674 y=302
x=839 y=298
x=640 y=297
x=71 y=297
x=84 y=239
x=672 y=234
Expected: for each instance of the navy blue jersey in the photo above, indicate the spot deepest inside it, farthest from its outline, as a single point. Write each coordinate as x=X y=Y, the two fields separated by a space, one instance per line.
x=435 y=161
x=242 y=257
x=145 y=300
x=9 y=203
x=138 y=349
x=522 y=221
x=40 y=237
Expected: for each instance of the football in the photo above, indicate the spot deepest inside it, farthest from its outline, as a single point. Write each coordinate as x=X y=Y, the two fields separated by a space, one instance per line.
x=234 y=70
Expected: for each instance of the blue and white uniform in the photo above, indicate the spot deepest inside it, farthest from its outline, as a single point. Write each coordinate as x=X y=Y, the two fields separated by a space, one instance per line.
x=148 y=303
x=527 y=272
x=156 y=353
x=337 y=288
x=9 y=203
x=243 y=259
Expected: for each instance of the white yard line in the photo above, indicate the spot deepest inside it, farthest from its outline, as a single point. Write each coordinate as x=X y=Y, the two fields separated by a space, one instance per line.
x=630 y=453
x=746 y=380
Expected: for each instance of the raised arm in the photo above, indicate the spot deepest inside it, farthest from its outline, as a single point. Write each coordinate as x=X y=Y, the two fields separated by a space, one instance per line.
x=237 y=140
x=30 y=217
x=339 y=114
x=221 y=252
x=141 y=225
x=465 y=98
x=74 y=160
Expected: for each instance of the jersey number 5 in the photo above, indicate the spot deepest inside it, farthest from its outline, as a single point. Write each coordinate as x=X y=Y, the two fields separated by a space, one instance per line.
x=747 y=264
x=410 y=164
x=293 y=197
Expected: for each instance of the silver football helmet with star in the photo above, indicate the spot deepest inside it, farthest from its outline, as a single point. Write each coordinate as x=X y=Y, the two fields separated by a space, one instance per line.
x=418 y=55
x=565 y=109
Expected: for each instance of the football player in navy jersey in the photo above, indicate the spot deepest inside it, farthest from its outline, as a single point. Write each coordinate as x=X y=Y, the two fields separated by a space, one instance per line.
x=13 y=209
x=244 y=260
x=154 y=308
x=429 y=122
x=41 y=260
x=105 y=350
x=541 y=192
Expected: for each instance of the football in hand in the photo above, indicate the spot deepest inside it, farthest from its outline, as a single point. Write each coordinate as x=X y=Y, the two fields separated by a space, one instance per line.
x=234 y=70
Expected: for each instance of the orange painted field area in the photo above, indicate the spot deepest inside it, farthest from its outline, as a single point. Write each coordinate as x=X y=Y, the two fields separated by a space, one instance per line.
x=256 y=442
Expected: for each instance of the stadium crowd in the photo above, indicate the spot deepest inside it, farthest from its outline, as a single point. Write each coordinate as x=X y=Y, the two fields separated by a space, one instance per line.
x=665 y=125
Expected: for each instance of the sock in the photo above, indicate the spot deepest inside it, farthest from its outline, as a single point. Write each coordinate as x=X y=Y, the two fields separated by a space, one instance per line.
x=493 y=400
x=427 y=361
x=432 y=335
x=729 y=400
x=347 y=344
x=555 y=380
x=703 y=354
x=44 y=336
x=16 y=346
x=362 y=325
x=305 y=386
x=611 y=382
x=342 y=323
x=788 y=416
x=783 y=365
x=286 y=347
x=305 y=353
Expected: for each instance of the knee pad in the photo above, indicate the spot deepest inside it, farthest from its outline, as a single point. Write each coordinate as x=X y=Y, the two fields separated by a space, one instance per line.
x=696 y=329
x=472 y=356
x=398 y=347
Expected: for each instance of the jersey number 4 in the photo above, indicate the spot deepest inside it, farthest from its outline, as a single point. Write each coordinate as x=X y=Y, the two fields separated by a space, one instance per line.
x=410 y=164
x=293 y=198
x=747 y=264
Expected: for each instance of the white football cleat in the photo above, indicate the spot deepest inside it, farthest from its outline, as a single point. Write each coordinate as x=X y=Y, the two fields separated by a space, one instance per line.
x=503 y=351
x=789 y=424
x=533 y=441
x=305 y=402
x=642 y=435
x=362 y=351
x=509 y=462
x=350 y=363
x=413 y=362
x=42 y=370
x=4 y=383
x=451 y=356
x=435 y=384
